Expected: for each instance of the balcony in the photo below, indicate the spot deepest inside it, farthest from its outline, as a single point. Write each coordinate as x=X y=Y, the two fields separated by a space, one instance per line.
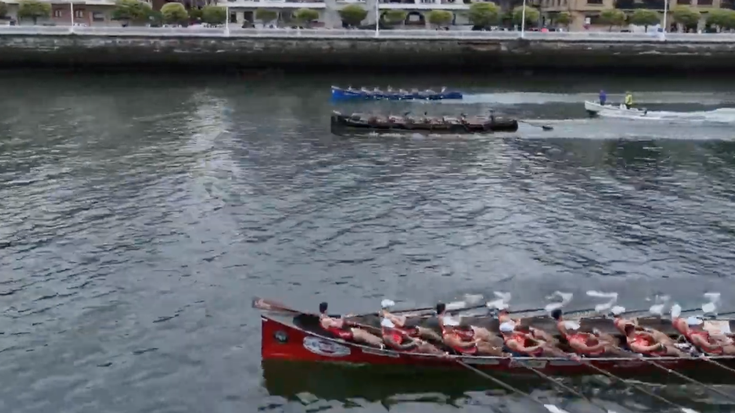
x=276 y=4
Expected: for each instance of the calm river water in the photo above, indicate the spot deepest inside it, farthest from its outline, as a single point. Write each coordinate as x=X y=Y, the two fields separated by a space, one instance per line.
x=140 y=215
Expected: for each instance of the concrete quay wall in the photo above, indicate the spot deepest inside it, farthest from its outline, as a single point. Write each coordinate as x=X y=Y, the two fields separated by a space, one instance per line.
x=336 y=50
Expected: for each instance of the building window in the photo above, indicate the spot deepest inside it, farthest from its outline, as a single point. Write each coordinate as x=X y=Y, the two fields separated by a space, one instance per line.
x=98 y=16
x=594 y=1
x=79 y=14
x=704 y=2
x=58 y=12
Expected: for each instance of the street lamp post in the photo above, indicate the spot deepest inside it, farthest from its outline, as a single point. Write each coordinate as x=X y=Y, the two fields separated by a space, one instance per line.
x=71 y=8
x=523 y=19
x=377 y=18
x=665 y=24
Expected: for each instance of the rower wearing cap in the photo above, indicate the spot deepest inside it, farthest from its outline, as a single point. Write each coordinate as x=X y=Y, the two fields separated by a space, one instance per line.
x=645 y=343
x=458 y=341
x=525 y=345
x=620 y=322
x=397 y=339
x=400 y=323
x=470 y=332
x=693 y=329
x=345 y=329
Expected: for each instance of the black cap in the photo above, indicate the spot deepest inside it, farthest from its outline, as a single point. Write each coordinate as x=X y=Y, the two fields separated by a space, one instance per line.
x=323 y=307
x=556 y=314
x=440 y=307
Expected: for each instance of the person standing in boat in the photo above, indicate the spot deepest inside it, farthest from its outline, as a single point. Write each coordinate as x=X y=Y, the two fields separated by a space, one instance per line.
x=458 y=341
x=400 y=324
x=692 y=329
x=397 y=339
x=346 y=330
x=603 y=97
x=628 y=100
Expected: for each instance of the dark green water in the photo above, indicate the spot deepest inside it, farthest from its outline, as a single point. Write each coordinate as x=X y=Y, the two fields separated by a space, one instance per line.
x=141 y=214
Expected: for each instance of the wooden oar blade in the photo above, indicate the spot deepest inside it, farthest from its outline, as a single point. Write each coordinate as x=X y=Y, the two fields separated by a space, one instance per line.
x=270 y=305
x=554 y=409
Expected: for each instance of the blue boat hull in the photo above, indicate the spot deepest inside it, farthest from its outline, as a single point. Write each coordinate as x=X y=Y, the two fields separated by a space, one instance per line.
x=339 y=93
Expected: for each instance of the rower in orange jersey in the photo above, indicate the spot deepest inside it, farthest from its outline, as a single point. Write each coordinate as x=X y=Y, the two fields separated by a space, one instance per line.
x=692 y=329
x=346 y=330
x=620 y=322
x=587 y=344
x=396 y=339
x=536 y=333
x=468 y=332
x=525 y=345
x=400 y=324
x=458 y=341
x=645 y=343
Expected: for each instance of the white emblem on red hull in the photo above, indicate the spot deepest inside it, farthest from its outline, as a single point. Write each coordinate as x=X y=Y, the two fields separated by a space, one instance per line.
x=325 y=348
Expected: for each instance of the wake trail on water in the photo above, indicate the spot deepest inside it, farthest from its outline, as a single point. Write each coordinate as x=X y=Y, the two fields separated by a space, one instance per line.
x=643 y=98
x=723 y=115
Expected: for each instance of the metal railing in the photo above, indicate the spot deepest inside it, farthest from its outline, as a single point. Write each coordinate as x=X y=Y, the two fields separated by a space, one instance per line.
x=364 y=34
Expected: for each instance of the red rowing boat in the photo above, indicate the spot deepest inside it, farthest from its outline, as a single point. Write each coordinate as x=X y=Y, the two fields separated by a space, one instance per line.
x=295 y=336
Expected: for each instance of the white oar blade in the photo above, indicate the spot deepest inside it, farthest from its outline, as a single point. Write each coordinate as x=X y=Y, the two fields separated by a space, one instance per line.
x=473 y=299
x=600 y=294
x=554 y=409
x=675 y=311
x=456 y=305
x=502 y=295
x=685 y=410
x=497 y=304
x=657 y=309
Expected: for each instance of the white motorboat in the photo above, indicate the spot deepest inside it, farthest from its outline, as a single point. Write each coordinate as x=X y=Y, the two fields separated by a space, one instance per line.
x=594 y=108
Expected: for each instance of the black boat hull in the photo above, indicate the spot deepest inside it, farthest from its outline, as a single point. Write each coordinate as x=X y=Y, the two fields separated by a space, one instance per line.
x=345 y=123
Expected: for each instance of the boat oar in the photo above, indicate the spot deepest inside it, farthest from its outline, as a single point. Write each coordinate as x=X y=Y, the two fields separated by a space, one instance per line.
x=718 y=364
x=544 y=127
x=550 y=407
x=639 y=388
x=567 y=388
x=689 y=379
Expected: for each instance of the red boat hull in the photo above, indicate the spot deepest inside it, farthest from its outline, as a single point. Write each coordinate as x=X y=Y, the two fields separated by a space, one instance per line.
x=282 y=340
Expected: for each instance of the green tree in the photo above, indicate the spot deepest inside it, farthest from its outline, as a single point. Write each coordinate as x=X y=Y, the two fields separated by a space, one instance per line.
x=645 y=18
x=155 y=18
x=266 y=16
x=685 y=15
x=131 y=11
x=440 y=18
x=34 y=9
x=3 y=9
x=394 y=17
x=722 y=18
x=532 y=15
x=306 y=16
x=484 y=14
x=196 y=15
x=353 y=14
x=613 y=17
x=564 y=18
x=174 y=13
x=214 y=15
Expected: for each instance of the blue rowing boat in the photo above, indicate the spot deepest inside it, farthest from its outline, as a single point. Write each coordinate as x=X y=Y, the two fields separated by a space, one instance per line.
x=390 y=94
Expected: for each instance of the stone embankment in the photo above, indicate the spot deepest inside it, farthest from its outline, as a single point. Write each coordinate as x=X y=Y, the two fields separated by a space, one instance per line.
x=340 y=49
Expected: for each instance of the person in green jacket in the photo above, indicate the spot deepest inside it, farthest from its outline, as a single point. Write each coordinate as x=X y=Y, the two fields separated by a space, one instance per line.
x=628 y=100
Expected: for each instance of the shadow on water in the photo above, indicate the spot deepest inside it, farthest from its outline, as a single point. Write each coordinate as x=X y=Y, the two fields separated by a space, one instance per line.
x=342 y=383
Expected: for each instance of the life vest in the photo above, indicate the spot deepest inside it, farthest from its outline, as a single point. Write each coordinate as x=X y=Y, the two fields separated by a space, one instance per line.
x=466 y=335
x=524 y=341
x=646 y=341
x=582 y=338
x=460 y=337
x=396 y=338
x=706 y=338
